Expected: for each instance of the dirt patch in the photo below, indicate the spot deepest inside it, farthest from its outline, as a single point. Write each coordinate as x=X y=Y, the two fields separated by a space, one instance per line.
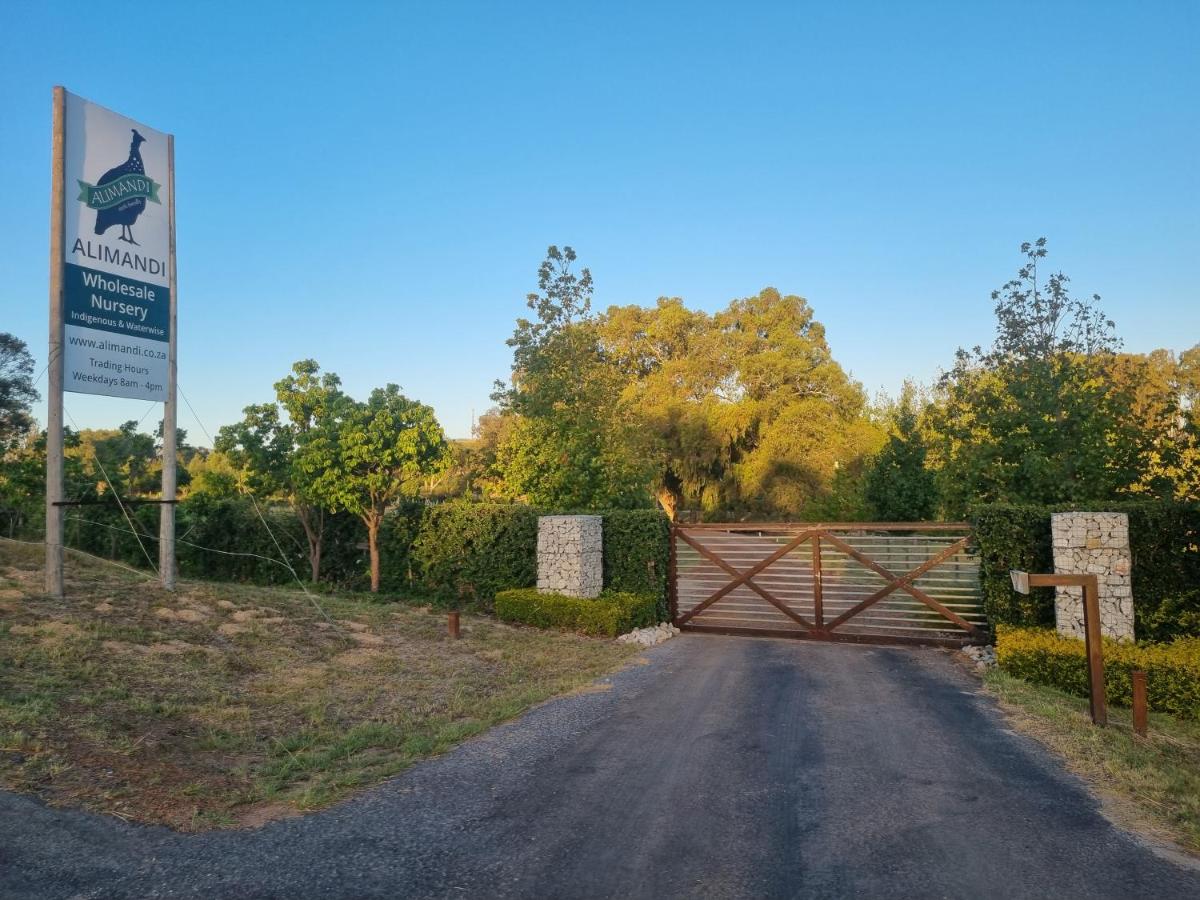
x=180 y=615
x=353 y=659
x=143 y=718
x=50 y=632
x=263 y=813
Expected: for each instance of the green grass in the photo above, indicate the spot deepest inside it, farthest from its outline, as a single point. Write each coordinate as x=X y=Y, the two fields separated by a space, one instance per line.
x=223 y=704
x=1151 y=783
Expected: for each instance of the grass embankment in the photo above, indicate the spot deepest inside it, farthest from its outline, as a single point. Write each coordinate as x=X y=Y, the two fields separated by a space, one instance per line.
x=1150 y=784
x=224 y=705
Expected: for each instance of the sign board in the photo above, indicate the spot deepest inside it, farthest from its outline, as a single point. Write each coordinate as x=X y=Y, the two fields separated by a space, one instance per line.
x=116 y=254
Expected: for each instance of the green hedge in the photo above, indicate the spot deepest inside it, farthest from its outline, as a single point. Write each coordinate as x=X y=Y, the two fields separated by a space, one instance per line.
x=610 y=614
x=1172 y=670
x=223 y=539
x=453 y=552
x=637 y=549
x=466 y=550
x=1164 y=540
x=1013 y=537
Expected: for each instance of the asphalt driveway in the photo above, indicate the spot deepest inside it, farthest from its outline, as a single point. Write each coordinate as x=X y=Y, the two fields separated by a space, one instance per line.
x=723 y=767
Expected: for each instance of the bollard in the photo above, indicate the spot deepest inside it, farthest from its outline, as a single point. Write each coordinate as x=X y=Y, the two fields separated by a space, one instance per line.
x=1139 y=703
x=453 y=623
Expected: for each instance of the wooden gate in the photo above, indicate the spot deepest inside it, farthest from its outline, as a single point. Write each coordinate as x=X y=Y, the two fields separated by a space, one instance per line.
x=867 y=582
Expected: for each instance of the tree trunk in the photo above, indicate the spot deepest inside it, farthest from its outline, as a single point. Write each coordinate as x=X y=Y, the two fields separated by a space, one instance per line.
x=669 y=501
x=372 y=523
x=313 y=521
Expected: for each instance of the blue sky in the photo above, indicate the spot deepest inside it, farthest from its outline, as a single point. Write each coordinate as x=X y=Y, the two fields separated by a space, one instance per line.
x=374 y=186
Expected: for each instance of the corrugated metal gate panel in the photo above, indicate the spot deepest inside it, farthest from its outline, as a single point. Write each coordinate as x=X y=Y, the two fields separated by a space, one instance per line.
x=882 y=581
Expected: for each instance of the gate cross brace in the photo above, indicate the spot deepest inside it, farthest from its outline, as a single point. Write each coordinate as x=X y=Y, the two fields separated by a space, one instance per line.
x=746 y=577
x=904 y=583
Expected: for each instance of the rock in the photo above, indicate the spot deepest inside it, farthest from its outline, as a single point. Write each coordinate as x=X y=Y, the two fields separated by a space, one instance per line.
x=649 y=636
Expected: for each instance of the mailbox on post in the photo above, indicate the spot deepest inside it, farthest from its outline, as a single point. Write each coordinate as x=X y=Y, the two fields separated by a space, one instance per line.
x=1023 y=581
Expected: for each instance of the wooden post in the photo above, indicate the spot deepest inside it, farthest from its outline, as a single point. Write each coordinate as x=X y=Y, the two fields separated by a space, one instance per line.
x=818 y=598
x=1094 y=645
x=452 y=624
x=54 y=412
x=673 y=578
x=166 y=516
x=1139 y=703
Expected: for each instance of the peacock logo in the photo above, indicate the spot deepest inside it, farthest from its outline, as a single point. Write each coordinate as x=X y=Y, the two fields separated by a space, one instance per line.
x=120 y=195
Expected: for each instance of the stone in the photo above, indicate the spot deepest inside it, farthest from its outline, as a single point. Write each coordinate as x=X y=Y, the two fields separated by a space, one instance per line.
x=1094 y=543
x=570 y=554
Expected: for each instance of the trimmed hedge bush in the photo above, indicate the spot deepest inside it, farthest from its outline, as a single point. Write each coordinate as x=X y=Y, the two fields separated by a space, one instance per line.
x=452 y=552
x=1014 y=537
x=465 y=550
x=1045 y=657
x=637 y=551
x=1164 y=539
x=239 y=547
x=610 y=614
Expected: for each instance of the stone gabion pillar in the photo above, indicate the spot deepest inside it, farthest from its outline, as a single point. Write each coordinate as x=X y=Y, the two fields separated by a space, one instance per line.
x=570 y=555
x=1097 y=544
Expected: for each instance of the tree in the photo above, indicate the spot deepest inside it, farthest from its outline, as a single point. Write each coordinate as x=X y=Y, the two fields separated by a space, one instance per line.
x=381 y=452
x=16 y=389
x=1051 y=413
x=898 y=485
x=271 y=443
x=744 y=411
x=123 y=461
x=568 y=447
x=23 y=484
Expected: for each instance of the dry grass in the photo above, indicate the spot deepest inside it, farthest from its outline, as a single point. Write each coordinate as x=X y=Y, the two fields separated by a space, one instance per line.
x=225 y=705
x=1149 y=784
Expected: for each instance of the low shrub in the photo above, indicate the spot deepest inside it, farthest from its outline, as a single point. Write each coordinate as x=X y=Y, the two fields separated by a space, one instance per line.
x=1045 y=657
x=610 y=614
x=1175 y=616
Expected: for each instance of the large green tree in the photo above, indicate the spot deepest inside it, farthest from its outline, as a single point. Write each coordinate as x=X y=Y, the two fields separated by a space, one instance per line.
x=899 y=486
x=744 y=411
x=568 y=447
x=381 y=452
x=1052 y=412
x=271 y=445
x=16 y=390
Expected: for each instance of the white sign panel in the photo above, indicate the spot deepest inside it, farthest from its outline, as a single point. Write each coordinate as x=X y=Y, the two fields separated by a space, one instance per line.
x=117 y=245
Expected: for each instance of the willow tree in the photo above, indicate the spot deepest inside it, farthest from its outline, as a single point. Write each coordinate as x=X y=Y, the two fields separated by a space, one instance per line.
x=742 y=410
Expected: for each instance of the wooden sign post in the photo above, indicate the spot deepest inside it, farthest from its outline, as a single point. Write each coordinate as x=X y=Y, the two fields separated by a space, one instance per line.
x=54 y=410
x=1093 y=643
x=112 y=291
